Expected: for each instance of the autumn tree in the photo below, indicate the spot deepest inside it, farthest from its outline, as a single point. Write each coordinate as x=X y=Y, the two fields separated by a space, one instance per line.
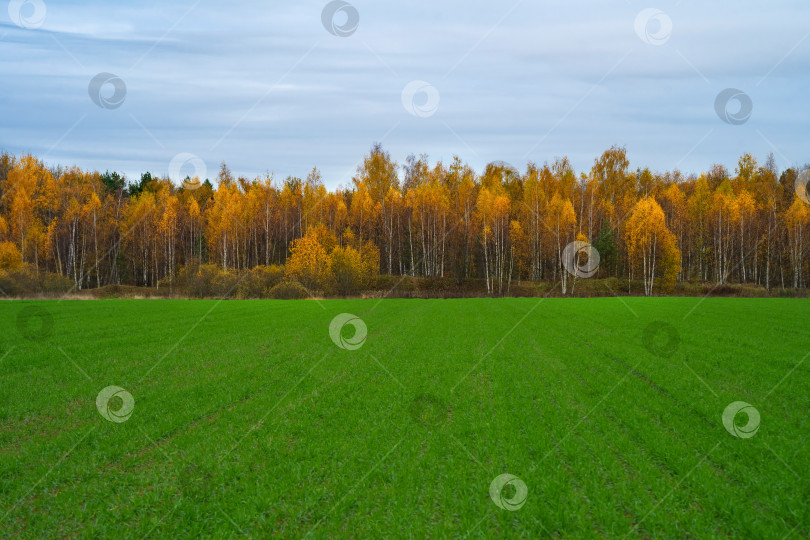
x=440 y=219
x=797 y=222
x=308 y=263
x=378 y=174
x=561 y=220
x=534 y=204
x=493 y=215
x=428 y=203
x=651 y=245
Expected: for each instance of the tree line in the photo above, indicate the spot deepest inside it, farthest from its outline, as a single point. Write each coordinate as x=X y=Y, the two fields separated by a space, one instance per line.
x=419 y=219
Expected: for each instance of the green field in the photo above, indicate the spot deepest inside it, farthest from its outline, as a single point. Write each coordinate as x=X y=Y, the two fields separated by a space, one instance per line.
x=249 y=420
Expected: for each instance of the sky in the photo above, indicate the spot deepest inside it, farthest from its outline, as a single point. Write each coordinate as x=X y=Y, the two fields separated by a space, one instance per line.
x=280 y=87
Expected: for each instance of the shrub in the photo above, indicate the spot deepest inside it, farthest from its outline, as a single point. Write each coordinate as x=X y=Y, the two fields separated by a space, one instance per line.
x=347 y=269
x=205 y=281
x=54 y=283
x=18 y=282
x=25 y=280
x=257 y=282
x=288 y=290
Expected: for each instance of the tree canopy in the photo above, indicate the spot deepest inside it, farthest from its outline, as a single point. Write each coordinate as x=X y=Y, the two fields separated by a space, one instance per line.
x=418 y=219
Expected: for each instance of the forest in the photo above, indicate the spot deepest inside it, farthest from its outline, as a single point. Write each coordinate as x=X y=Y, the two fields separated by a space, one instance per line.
x=69 y=229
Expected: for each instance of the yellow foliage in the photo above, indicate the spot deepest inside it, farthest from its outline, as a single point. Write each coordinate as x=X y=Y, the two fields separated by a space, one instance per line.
x=324 y=237
x=10 y=256
x=371 y=259
x=346 y=265
x=651 y=246
x=308 y=263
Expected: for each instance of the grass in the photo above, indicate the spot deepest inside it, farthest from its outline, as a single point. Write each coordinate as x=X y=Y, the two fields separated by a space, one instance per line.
x=249 y=420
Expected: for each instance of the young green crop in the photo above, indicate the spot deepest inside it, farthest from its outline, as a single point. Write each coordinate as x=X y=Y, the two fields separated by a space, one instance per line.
x=249 y=418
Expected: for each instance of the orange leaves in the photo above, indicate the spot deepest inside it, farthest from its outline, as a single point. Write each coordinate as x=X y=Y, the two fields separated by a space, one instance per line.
x=325 y=237
x=651 y=245
x=561 y=220
x=428 y=200
x=493 y=211
x=676 y=201
x=746 y=204
x=308 y=262
x=610 y=173
x=560 y=217
x=336 y=213
x=378 y=173
x=520 y=247
x=797 y=220
x=493 y=208
x=342 y=269
x=724 y=204
x=363 y=213
x=442 y=221
x=10 y=256
x=645 y=224
x=798 y=215
x=193 y=208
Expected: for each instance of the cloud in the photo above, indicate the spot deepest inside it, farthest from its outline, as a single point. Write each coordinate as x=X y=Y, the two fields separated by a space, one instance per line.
x=265 y=87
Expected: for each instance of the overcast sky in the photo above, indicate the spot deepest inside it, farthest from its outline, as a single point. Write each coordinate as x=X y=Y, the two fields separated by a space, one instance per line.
x=269 y=87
